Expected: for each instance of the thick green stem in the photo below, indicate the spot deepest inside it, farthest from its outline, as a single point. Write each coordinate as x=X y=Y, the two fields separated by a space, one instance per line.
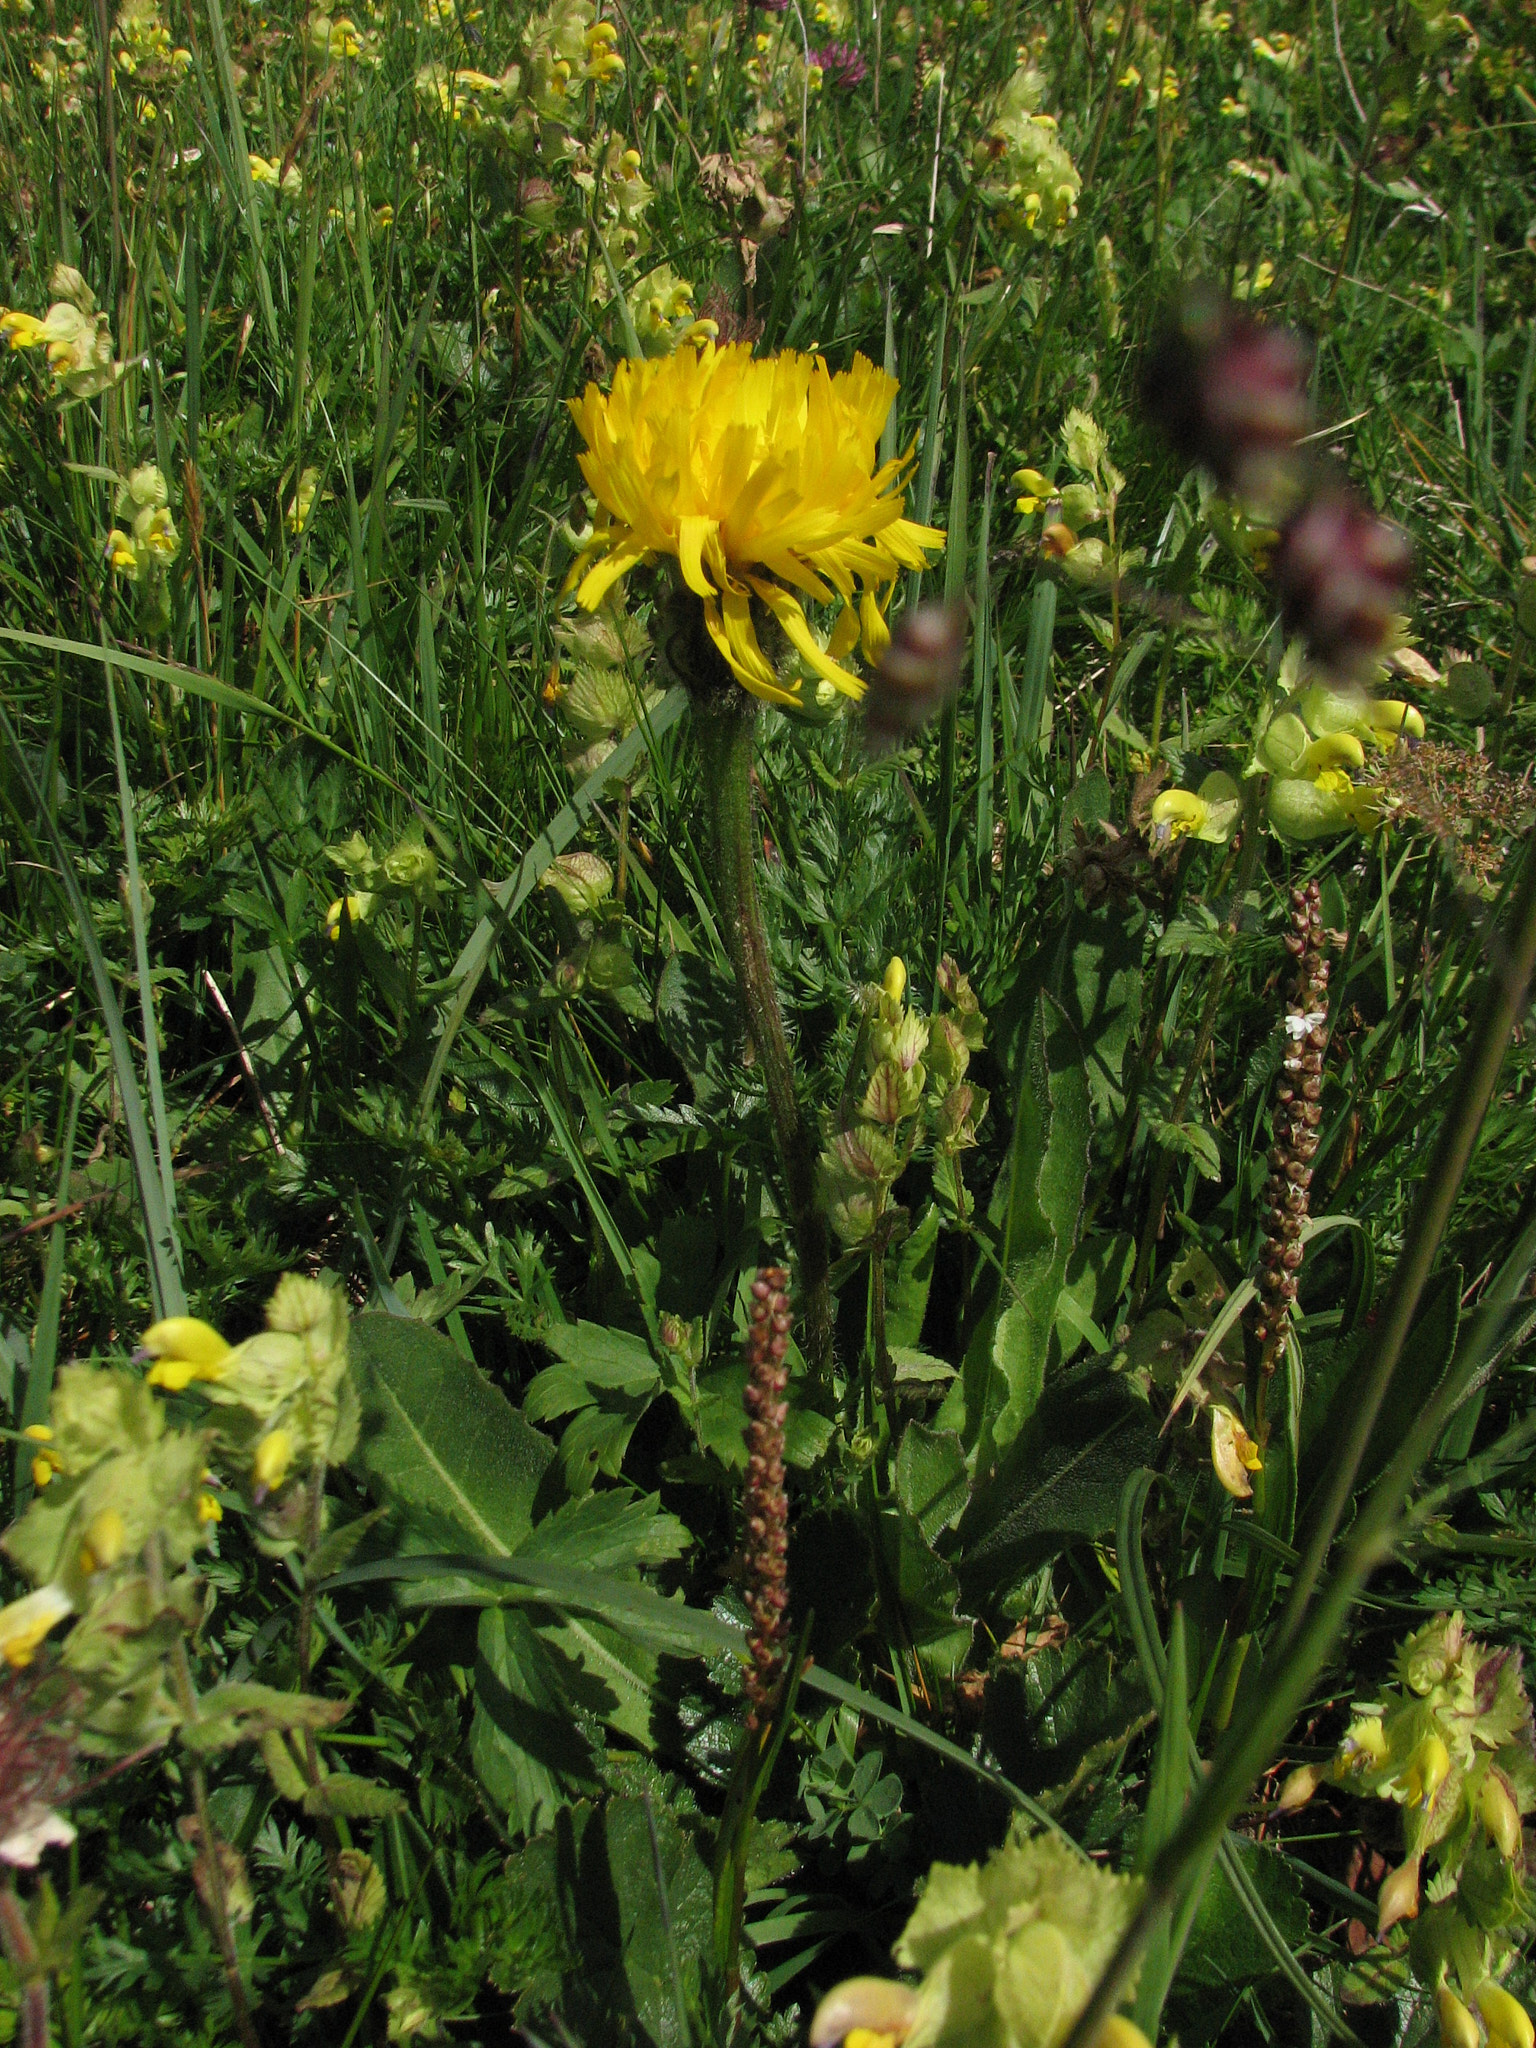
x=723 y=720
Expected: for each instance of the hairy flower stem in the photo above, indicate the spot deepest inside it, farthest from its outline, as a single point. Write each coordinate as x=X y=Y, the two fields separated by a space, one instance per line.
x=314 y=1520
x=724 y=717
x=21 y=1954
x=1313 y=1618
x=216 y=1900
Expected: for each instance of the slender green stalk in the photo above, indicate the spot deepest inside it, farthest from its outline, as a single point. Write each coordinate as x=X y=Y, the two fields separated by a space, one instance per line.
x=724 y=717
x=21 y=1954
x=1310 y=1628
x=216 y=1899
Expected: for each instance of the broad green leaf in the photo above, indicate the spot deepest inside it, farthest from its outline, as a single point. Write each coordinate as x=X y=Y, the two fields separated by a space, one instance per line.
x=1062 y=1478
x=1099 y=982
x=1191 y=1140
x=909 y=1276
x=438 y=1440
x=604 y=1531
x=665 y=1900
x=604 y=1358
x=806 y=1437
x=637 y=1610
x=927 y=1594
x=931 y=1479
x=1225 y=1949
x=1097 y=1283
x=626 y=1671
x=698 y=1019
x=529 y=1751
x=635 y=1900
x=1049 y=1714
x=609 y=1378
x=596 y=1442
x=1035 y=1208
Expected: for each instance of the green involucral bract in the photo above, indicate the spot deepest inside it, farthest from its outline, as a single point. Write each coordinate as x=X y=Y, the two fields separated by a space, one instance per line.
x=1010 y=1950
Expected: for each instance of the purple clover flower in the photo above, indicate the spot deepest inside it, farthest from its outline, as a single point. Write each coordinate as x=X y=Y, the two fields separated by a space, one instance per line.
x=841 y=65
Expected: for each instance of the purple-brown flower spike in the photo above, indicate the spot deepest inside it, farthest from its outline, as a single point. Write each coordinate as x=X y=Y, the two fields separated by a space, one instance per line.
x=765 y=1505
x=1229 y=392
x=1341 y=573
x=919 y=672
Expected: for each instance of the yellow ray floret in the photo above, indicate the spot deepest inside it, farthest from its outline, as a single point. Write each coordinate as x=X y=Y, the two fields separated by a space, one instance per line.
x=762 y=480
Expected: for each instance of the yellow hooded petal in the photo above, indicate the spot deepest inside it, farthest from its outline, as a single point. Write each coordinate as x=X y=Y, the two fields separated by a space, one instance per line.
x=24 y=1623
x=184 y=1349
x=1234 y=1454
x=1504 y=2016
x=863 y=2005
x=1334 y=750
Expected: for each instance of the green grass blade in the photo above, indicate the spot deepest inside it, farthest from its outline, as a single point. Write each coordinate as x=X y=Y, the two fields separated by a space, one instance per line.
x=45 y=1333
x=1514 y=465
x=983 y=667
x=509 y=896
x=1034 y=679
x=160 y=1240
x=159 y=1120
x=240 y=165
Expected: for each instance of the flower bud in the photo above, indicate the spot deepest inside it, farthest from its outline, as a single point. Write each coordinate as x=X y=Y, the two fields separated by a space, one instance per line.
x=274 y=1454
x=25 y=1622
x=1506 y=2018
x=1399 y=1899
x=1458 y=2029
x=894 y=980
x=868 y=2005
x=1298 y=1788
x=1227 y=390
x=1500 y=1816
x=1234 y=1453
x=103 y=1543
x=1428 y=1768
x=1119 y=2032
x=919 y=672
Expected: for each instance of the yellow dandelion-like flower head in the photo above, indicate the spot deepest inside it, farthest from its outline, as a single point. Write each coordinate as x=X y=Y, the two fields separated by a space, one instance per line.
x=761 y=479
